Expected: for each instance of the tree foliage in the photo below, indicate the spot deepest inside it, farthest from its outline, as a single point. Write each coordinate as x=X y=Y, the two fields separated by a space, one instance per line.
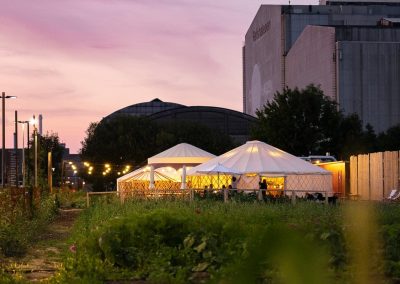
x=50 y=142
x=130 y=140
x=304 y=122
x=390 y=140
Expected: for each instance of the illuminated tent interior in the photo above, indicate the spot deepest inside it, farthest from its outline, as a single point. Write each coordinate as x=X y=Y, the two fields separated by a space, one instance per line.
x=165 y=170
x=140 y=180
x=255 y=161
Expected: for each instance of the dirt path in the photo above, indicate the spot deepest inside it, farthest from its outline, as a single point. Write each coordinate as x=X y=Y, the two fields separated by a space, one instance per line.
x=45 y=255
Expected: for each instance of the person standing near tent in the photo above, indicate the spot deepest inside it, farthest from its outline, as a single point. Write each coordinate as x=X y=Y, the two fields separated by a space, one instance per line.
x=263 y=189
x=234 y=183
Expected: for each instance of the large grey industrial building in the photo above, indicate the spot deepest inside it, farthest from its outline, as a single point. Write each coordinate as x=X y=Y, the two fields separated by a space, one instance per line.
x=351 y=49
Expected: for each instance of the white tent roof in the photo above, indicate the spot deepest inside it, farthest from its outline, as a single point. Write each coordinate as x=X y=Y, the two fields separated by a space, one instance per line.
x=144 y=174
x=217 y=169
x=131 y=174
x=260 y=158
x=181 y=154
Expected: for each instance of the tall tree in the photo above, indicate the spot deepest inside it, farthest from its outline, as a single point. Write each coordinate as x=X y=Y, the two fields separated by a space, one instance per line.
x=299 y=121
x=304 y=122
x=50 y=142
x=128 y=140
x=390 y=140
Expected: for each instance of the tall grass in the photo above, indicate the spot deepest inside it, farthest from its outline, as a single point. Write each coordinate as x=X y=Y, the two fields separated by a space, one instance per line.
x=18 y=227
x=207 y=241
x=213 y=238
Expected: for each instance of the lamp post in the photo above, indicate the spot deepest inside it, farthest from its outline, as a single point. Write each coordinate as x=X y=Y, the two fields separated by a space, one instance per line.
x=36 y=150
x=24 y=167
x=3 y=109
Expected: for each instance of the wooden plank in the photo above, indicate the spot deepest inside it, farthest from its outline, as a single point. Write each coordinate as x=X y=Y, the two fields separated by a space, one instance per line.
x=353 y=175
x=376 y=176
x=363 y=177
x=391 y=169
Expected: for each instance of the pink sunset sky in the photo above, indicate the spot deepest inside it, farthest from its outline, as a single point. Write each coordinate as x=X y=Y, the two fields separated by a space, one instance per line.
x=77 y=61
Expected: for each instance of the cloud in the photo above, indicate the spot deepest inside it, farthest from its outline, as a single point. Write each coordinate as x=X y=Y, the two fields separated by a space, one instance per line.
x=28 y=72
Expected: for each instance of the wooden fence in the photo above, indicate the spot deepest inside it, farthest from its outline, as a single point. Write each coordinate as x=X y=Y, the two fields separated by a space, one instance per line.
x=374 y=175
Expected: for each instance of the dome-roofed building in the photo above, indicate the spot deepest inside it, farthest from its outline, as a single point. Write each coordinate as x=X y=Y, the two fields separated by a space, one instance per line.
x=145 y=109
x=234 y=123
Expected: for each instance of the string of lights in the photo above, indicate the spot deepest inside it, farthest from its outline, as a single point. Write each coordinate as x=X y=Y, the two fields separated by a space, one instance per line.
x=105 y=168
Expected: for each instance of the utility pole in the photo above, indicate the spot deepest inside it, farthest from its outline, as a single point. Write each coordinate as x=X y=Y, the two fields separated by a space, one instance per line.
x=16 y=150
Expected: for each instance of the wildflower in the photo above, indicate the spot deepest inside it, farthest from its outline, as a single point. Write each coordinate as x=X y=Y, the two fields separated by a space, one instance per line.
x=73 y=248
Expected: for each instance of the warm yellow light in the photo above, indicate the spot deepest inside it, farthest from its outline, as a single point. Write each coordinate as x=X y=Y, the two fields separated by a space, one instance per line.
x=89 y=173
x=119 y=173
x=73 y=167
x=90 y=168
x=104 y=173
x=70 y=163
x=107 y=165
x=33 y=121
x=252 y=150
x=75 y=171
x=128 y=167
x=86 y=164
x=317 y=161
x=275 y=154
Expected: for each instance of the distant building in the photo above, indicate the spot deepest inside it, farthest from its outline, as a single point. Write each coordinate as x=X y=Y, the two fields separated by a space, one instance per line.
x=350 y=48
x=12 y=167
x=230 y=122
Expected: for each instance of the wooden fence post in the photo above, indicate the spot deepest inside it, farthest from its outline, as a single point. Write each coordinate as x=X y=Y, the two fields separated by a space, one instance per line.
x=293 y=197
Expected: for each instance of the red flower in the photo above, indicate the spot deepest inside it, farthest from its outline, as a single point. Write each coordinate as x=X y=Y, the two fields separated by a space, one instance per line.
x=73 y=248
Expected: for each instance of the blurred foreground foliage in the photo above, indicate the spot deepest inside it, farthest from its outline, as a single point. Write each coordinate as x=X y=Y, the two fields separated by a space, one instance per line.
x=212 y=242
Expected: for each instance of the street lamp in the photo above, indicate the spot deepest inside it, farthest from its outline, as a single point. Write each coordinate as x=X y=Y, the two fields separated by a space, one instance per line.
x=25 y=169
x=3 y=98
x=33 y=122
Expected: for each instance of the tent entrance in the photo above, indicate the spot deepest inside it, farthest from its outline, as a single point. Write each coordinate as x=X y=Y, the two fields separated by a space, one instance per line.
x=275 y=185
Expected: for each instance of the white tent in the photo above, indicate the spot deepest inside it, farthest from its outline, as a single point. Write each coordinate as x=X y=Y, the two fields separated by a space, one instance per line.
x=179 y=157
x=259 y=158
x=143 y=176
x=181 y=154
x=171 y=163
